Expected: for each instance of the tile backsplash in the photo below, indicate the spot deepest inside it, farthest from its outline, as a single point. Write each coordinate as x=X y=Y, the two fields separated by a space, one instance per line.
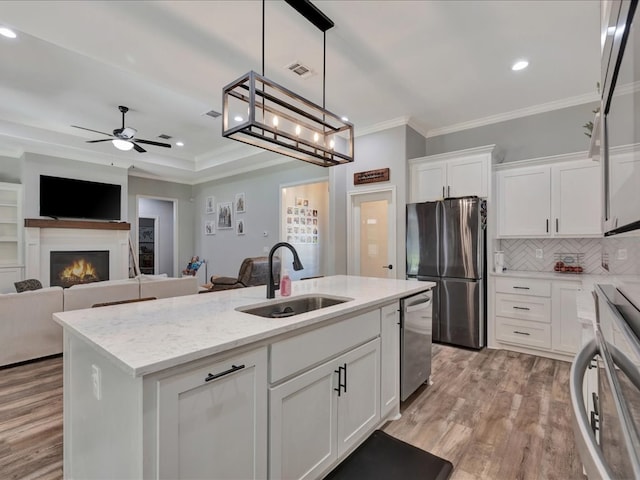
x=622 y=255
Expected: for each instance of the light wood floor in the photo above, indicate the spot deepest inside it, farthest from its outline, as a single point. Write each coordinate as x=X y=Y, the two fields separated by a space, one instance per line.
x=493 y=414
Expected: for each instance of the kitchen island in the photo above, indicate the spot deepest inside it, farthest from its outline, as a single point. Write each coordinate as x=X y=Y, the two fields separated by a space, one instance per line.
x=190 y=387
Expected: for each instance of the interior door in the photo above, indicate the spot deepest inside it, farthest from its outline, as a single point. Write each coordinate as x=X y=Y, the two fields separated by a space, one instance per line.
x=372 y=249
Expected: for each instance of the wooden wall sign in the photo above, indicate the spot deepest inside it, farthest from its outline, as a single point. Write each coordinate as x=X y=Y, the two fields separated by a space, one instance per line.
x=371 y=176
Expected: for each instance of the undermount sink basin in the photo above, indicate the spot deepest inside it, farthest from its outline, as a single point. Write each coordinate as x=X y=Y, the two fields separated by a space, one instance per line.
x=294 y=306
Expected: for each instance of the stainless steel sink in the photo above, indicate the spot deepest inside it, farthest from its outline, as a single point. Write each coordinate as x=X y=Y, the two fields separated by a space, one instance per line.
x=294 y=306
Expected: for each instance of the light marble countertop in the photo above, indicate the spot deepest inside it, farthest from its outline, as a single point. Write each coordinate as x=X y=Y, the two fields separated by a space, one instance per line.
x=147 y=337
x=570 y=277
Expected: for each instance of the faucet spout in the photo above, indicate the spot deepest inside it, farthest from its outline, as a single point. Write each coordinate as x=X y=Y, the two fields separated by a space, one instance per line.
x=297 y=265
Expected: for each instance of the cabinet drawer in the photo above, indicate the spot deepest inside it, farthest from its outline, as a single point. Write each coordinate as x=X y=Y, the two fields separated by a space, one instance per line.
x=524 y=286
x=524 y=307
x=521 y=332
x=297 y=353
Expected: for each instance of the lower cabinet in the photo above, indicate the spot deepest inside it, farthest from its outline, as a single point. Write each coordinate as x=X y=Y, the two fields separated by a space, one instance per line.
x=316 y=417
x=212 y=421
x=390 y=359
x=537 y=313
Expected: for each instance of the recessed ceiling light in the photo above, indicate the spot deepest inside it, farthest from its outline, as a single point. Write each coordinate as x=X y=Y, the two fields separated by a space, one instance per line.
x=7 y=32
x=520 y=65
x=345 y=119
x=238 y=118
x=179 y=144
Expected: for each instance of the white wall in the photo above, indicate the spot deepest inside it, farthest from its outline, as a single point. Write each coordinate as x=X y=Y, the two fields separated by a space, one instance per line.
x=10 y=169
x=183 y=195
x=34 y=165
x=225 y=250
x=312 y=255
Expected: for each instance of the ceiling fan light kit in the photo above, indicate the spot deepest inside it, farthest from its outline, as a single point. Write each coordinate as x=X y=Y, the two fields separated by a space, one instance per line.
x=281 y=121
x=123 y=138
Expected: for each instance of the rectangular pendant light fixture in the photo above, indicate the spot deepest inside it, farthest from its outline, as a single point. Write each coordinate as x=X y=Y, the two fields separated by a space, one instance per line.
x=258 y=111
x=262 y=113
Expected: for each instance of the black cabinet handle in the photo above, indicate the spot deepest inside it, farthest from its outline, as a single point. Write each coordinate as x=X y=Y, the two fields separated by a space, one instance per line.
x=521 y=333
x=390 y=266
x=443 y=191
x=448 y=190
x=547 y=225
x=234 y=368
x=340 y=384
x=556 y=225
x=522 y=308
x=596 y=407
x=522 y=288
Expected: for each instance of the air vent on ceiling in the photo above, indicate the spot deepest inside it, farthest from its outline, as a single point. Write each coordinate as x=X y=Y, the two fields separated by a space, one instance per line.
x=213 y=114
x=164 y=136
x=300 y=70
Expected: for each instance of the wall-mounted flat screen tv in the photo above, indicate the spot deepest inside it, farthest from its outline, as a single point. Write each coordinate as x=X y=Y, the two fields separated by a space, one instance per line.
x=71 y=198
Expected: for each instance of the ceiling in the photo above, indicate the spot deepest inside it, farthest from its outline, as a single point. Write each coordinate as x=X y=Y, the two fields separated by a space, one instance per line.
x=439 y=66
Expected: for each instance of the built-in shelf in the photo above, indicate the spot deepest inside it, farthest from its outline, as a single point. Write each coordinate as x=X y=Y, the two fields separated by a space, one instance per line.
x=80 y=224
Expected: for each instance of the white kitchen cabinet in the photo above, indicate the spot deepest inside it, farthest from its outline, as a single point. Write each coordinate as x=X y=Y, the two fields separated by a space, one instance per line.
x=550 y=200
x=455 y=174
x=566 y=329
x=212 y=421
x=10 y=236
x=390 y=359
x=536 y=314
x=577 y=209
x=524 y=202
x=318 y=416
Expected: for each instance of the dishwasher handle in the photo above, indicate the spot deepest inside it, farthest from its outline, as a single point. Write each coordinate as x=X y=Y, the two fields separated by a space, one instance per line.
x=418 y=306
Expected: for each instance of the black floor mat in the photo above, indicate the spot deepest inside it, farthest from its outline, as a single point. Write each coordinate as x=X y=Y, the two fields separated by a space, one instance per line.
x=383 y=457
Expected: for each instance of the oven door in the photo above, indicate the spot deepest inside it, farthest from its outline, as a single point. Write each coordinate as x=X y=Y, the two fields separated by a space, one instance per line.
x=616 y=414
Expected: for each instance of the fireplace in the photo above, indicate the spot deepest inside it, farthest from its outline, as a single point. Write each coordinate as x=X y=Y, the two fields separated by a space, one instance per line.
x=70 y=268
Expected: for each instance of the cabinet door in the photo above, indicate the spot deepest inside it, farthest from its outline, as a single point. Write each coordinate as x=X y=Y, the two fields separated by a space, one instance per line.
x=359 y=401
x=8 y=276
x=467 y=176
x=576 y=199
x=302 y=424
x=390 y=359
x=428 y=181
x=215 y=428
x=524 y=202
x=566 y=330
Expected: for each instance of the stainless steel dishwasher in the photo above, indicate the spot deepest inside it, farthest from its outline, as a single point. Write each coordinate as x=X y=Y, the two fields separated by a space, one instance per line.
x=415 y=342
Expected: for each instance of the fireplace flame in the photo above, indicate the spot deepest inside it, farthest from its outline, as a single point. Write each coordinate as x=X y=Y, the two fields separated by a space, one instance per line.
x=79 y=271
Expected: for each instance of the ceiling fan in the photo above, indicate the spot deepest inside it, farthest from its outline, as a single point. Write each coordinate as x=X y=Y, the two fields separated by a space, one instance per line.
x=123 y=138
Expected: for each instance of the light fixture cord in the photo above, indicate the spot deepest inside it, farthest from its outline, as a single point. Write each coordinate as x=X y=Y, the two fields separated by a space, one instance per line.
x=324 y=66
x=263 y=37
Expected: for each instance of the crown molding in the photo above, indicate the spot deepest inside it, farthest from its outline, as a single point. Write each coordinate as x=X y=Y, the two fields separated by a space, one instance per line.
x=378 y=127
x=486 y=149
x=245 y=169
x=532 y=162
x=523 y=112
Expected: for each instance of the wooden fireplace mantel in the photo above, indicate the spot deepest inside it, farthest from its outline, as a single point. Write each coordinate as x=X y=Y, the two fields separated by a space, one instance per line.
x=81 y=224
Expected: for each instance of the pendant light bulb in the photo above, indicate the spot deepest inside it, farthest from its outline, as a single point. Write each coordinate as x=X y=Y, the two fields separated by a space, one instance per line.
x=275 y=121
x=316 y=137
x=298 y=130
x=332 y=144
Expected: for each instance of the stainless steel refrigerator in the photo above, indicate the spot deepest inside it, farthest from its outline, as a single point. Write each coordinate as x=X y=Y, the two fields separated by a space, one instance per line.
x=446 y=245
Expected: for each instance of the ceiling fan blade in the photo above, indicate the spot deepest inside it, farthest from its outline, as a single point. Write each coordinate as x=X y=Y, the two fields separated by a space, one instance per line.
x=138 y=148
x=157 y=144
x=90 y=130
x=96 y=141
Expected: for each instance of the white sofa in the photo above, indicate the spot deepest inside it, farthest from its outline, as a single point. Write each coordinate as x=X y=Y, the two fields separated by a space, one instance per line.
x=27 y=330
x=165 y=287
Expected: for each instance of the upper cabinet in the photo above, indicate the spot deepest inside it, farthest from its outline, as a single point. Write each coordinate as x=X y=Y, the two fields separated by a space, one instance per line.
x=559 y=200
x=456 y=174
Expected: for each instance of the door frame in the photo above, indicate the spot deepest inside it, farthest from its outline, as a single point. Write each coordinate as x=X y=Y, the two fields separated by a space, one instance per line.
x=353 y=247
x=174 y=201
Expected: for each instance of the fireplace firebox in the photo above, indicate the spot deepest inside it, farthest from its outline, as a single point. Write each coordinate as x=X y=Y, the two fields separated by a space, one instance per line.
x=70 y=268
